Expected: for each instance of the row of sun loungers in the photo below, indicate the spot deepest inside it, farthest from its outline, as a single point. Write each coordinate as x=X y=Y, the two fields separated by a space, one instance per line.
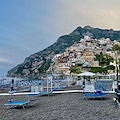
x=25 y=104
x=31 y=97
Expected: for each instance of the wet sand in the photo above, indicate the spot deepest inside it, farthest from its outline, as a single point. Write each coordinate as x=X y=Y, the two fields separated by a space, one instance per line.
x=67 y=106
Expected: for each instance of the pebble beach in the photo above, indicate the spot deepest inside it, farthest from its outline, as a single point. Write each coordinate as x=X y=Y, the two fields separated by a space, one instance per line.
x=65 y=106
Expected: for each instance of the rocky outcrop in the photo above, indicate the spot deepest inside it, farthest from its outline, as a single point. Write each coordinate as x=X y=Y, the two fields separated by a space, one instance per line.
x=37 y=64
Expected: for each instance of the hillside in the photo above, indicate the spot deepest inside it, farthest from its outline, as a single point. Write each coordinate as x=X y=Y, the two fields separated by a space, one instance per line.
x=37 y=64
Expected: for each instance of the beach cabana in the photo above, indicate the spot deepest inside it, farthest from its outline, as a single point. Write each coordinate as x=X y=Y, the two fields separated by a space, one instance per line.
x=106 y=83
x=47 y=82
x=88 y=74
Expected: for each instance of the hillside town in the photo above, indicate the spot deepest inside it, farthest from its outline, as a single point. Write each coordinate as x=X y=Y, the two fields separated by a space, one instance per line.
x=83 y=53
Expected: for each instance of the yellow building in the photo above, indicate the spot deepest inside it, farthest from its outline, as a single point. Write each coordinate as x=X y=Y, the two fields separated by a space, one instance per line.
x=65 y=70
x=95 y=63
x=87 y=56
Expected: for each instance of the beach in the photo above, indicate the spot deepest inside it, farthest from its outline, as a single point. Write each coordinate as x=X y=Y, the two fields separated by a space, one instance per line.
x=67 y=106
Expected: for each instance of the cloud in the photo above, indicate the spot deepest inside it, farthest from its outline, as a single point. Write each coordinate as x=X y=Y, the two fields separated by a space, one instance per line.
x=45 y=21
x=103 y=14
x=5 y=65
x=6 y=60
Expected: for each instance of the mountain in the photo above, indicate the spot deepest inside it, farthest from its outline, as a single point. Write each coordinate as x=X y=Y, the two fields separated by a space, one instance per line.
x=37 y=64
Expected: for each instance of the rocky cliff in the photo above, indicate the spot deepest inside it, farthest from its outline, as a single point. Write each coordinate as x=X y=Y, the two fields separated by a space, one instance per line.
x=38 y=63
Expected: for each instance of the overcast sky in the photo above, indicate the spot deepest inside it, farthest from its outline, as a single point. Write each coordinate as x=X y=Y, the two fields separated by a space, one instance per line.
x=28 y=26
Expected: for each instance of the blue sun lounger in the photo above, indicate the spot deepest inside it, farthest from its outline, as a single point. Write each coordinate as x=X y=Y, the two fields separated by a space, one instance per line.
x=18 y=103
x=24 y=104
x=56 y=89
x=62 y=86
x=45 y=93
x=87 y=96
x=96 y=94
x=25 y=90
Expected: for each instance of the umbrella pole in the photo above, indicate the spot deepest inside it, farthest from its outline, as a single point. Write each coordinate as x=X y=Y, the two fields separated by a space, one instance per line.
x=117 y=79
x=83 y=81
x=118 y=86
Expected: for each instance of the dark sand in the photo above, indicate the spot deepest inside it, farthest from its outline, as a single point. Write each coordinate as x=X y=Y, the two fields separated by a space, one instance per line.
x=67 y=106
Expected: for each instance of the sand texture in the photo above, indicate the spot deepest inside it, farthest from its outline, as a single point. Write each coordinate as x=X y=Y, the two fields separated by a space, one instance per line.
x=67 y=106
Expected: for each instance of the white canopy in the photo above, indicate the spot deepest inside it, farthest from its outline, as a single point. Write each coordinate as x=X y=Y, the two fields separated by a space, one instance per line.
x=98 y=74
x=113 y=74
x=86 y=74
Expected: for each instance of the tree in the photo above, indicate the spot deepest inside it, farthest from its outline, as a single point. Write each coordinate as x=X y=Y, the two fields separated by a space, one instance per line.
x=104 y=59
x=116 y=50
x=75 y=70
x=102 y=69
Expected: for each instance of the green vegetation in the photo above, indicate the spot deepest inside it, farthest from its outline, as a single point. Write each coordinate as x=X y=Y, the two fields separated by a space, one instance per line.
x=20 y=69
x=67 y=40
x=44 y=67
x=104 y=59
x=102 y=69
x=75 y=70
x=117 y=48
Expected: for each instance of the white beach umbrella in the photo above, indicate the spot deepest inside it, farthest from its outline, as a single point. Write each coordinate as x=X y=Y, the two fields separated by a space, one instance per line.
x=98 y=74
x=86 y=74
x=113 y=74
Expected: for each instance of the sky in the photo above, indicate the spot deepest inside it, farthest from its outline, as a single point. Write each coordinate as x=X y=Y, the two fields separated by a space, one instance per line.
x=29 y=26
